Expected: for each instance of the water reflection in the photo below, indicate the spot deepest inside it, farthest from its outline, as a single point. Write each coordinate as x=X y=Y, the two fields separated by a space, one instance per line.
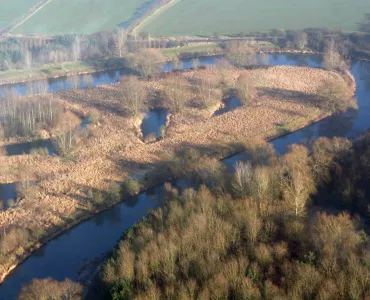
x=45 y=146
x=230 y=104
x=8 y=195
x=153 y=123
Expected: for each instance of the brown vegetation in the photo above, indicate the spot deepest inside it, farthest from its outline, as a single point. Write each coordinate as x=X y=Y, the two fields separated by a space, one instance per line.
x=207 y=244
x=334 y=96
x=111 y=151
x=133 y=95
x=42 y=289
x=177 y=91
x=25 y=117
x=241 y=54
x=147 y=62
x=332 y=60
x=245 y=89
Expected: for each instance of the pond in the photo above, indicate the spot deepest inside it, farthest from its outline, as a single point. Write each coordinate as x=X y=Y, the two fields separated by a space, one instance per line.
x=229 y=104
x=40 y=146
x=63 y=256
x=8 y=195
x=153 y=124
x=44 y=147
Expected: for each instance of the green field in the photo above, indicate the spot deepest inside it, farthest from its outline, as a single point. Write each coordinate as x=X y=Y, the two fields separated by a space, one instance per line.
x=79 y=16
x=206 y=17
x=13 y=9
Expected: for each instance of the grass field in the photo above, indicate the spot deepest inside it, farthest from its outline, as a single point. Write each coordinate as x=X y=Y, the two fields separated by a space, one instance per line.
x=206 y=17
x=79 y=16
x=13 y=9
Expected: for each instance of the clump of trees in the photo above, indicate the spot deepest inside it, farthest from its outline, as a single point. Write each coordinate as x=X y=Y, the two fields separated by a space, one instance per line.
x=245 y=89
x=177 y=92
x=66 y=139
x=343 y=172
x=24 y=117
x=50 y=289
x=297 y=39
x=332 y=60
x=251 y=239
x=13 y=239
x=147 y=62
x=134 y=95
x=207 y=91
x=250 y=234
x=130 y=187
x=335 y=96
x=241 y=54
x=93 y=116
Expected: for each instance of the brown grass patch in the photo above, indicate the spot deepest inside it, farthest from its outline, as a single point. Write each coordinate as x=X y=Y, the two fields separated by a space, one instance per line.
x=113 y=150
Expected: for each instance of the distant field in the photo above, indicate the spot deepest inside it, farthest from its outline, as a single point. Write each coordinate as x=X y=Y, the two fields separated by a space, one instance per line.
x=13 y=9
x=205 y=17
x=79 y=16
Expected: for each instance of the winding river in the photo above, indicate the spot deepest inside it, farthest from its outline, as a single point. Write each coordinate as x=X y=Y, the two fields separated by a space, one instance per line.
x=64 y=256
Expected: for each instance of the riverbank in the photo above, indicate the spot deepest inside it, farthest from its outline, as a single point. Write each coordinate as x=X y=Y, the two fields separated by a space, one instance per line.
x=108 y=154
x=58 y=70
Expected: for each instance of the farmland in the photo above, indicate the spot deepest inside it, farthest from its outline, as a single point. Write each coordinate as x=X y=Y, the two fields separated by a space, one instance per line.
x=11 y=10
x=206 y=17
x=79 y=16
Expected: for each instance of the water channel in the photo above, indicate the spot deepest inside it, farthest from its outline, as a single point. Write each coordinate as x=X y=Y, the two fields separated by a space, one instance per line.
x=63 y=256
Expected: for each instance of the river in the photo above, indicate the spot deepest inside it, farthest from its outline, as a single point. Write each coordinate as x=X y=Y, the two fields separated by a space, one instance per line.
x=63 y=256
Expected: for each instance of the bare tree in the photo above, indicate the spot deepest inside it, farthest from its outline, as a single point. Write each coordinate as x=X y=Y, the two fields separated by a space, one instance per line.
x=245 y=89
x=24 y=180
x=260 y=185
x=120 y=39
x=76 y=49
x=241 y=54
x=332 y=60
x=297 y=180
x=66 y=139
x=148 y=62
x=177 y=92
x=27 y=58
x=134 y=94
x=206 y=89
x=242 y=179
x=300 y=40
x=335 y=96
x=20 y=116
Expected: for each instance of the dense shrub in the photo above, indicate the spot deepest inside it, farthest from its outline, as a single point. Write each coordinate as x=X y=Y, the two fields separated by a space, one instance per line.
x=221 y=248
x=241 y=54
x=13 y=239
x=258 y=244
x=130 y=187
x=41 y=289
x=245 y=89
x=335 y=96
